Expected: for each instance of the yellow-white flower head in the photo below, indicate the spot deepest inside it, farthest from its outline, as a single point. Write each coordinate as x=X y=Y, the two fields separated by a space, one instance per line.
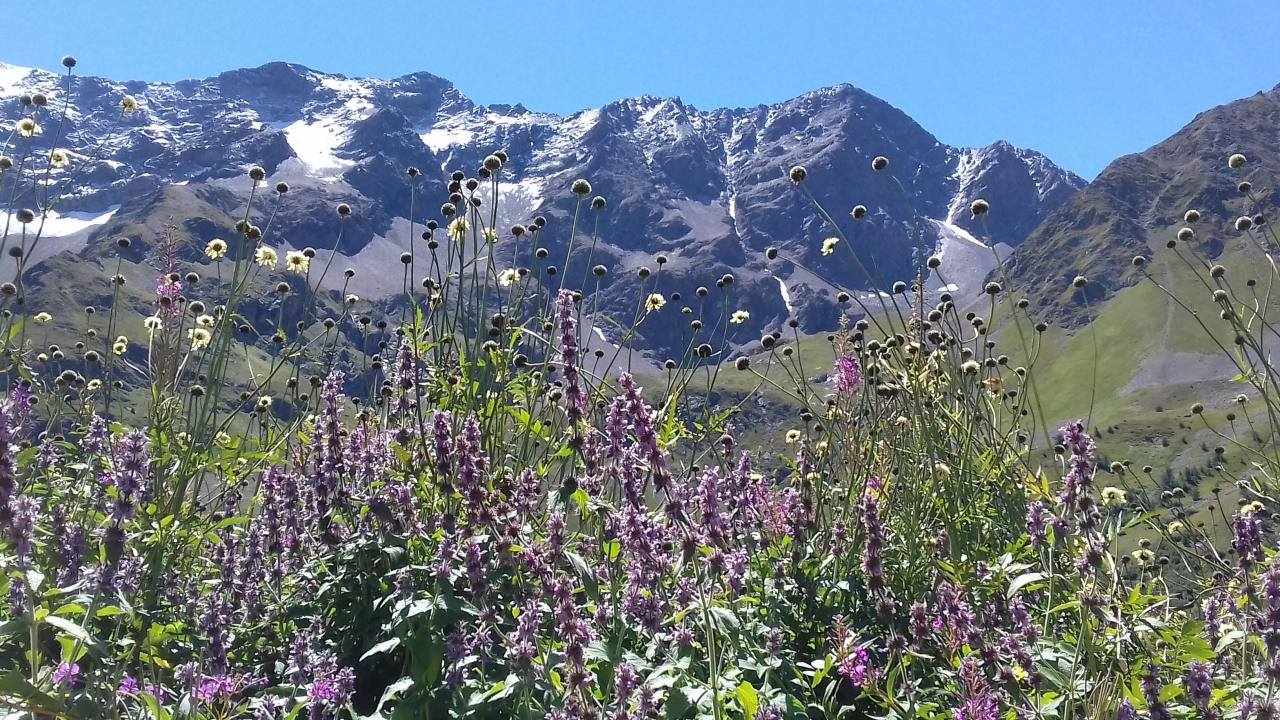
x=792 y=437
x=58 y=159
x=1112 y=496
x=655 y=301
x=129 y=104
x=829 y=245
x=739 y=317
x=206 y=321
x=216 y=249
x=222 y=439
x=352 y=298
x=153 y=323
x=508 y=277
x=1143 y=557
x=296 y=261
x=28 y=127
x=42 y=318
x=266 y=257
x=458 y=229
x=200 y=338
x=490 y=235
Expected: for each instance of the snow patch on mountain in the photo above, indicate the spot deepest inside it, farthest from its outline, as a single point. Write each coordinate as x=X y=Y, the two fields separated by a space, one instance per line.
x=11 y=77
x=57 y=232
x=966 y=261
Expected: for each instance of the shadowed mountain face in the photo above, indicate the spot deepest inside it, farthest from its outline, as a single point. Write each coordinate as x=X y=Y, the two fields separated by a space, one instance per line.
x=708 y=189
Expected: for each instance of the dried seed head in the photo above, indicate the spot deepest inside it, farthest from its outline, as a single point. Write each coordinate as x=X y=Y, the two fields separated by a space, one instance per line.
x=344 y=210
x=26 y=216
x=879 y=163
x=1243 y=223
x=979 y=207
x=1186 y=234
x=257 y=174
x=599 y=270
x=859 y=212
x=580 y=187
x=1080 y=281
x=1236 y=161
x=1197 y=408
x=1245 y=187
x=992 y=288
x=899 y=288
x=798 y=174
x=1192 y=216
x=742 y=363
x=597 y=202
x=1139 y=261
x=1217 y=271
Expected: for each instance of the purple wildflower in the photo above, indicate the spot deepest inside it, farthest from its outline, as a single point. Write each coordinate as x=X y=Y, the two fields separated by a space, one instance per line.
x=848 y=374
x=66 y=674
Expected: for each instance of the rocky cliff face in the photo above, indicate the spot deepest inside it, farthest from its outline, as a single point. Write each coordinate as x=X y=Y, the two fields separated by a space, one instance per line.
x=706 y=188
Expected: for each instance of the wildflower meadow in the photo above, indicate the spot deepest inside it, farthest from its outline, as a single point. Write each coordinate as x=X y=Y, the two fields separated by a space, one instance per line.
x=267 y=497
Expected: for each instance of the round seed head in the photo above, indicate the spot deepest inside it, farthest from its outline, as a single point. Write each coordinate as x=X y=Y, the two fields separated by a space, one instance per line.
x=1080 y=281
x=742 y=363
x=859 y=212
x=1186 y=234
x=1236 y=161
x=580 y=187
x=1139 y=261
x=1243 y=223
x=979 y=207
x=257 y=174
x=1245 y=187
x=68 y=61
x=344 y=210
x=1192 y=216
x=597 y=202
x=879 y=163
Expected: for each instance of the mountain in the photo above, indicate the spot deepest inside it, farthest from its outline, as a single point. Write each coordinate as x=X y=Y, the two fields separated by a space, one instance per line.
x=706 y=188
x=1152 y=358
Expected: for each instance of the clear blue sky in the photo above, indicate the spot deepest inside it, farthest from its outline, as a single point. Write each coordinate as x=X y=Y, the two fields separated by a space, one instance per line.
x=1082 y=80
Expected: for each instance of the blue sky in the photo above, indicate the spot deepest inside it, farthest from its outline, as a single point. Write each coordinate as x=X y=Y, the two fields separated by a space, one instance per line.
x=1082 y=80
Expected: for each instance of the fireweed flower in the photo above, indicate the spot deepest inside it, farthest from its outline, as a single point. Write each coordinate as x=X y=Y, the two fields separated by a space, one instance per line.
x=216 y=249
x=848 y=375
x=266 y=257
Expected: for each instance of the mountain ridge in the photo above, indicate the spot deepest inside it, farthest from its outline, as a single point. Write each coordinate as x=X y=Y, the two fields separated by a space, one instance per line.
x=706 y=188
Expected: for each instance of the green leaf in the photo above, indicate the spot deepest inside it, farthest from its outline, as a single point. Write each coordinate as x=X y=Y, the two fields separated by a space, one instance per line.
x=1023 y=581
x=381 y=647
x=748 y=700
x=14 y=685
x=76 y=632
